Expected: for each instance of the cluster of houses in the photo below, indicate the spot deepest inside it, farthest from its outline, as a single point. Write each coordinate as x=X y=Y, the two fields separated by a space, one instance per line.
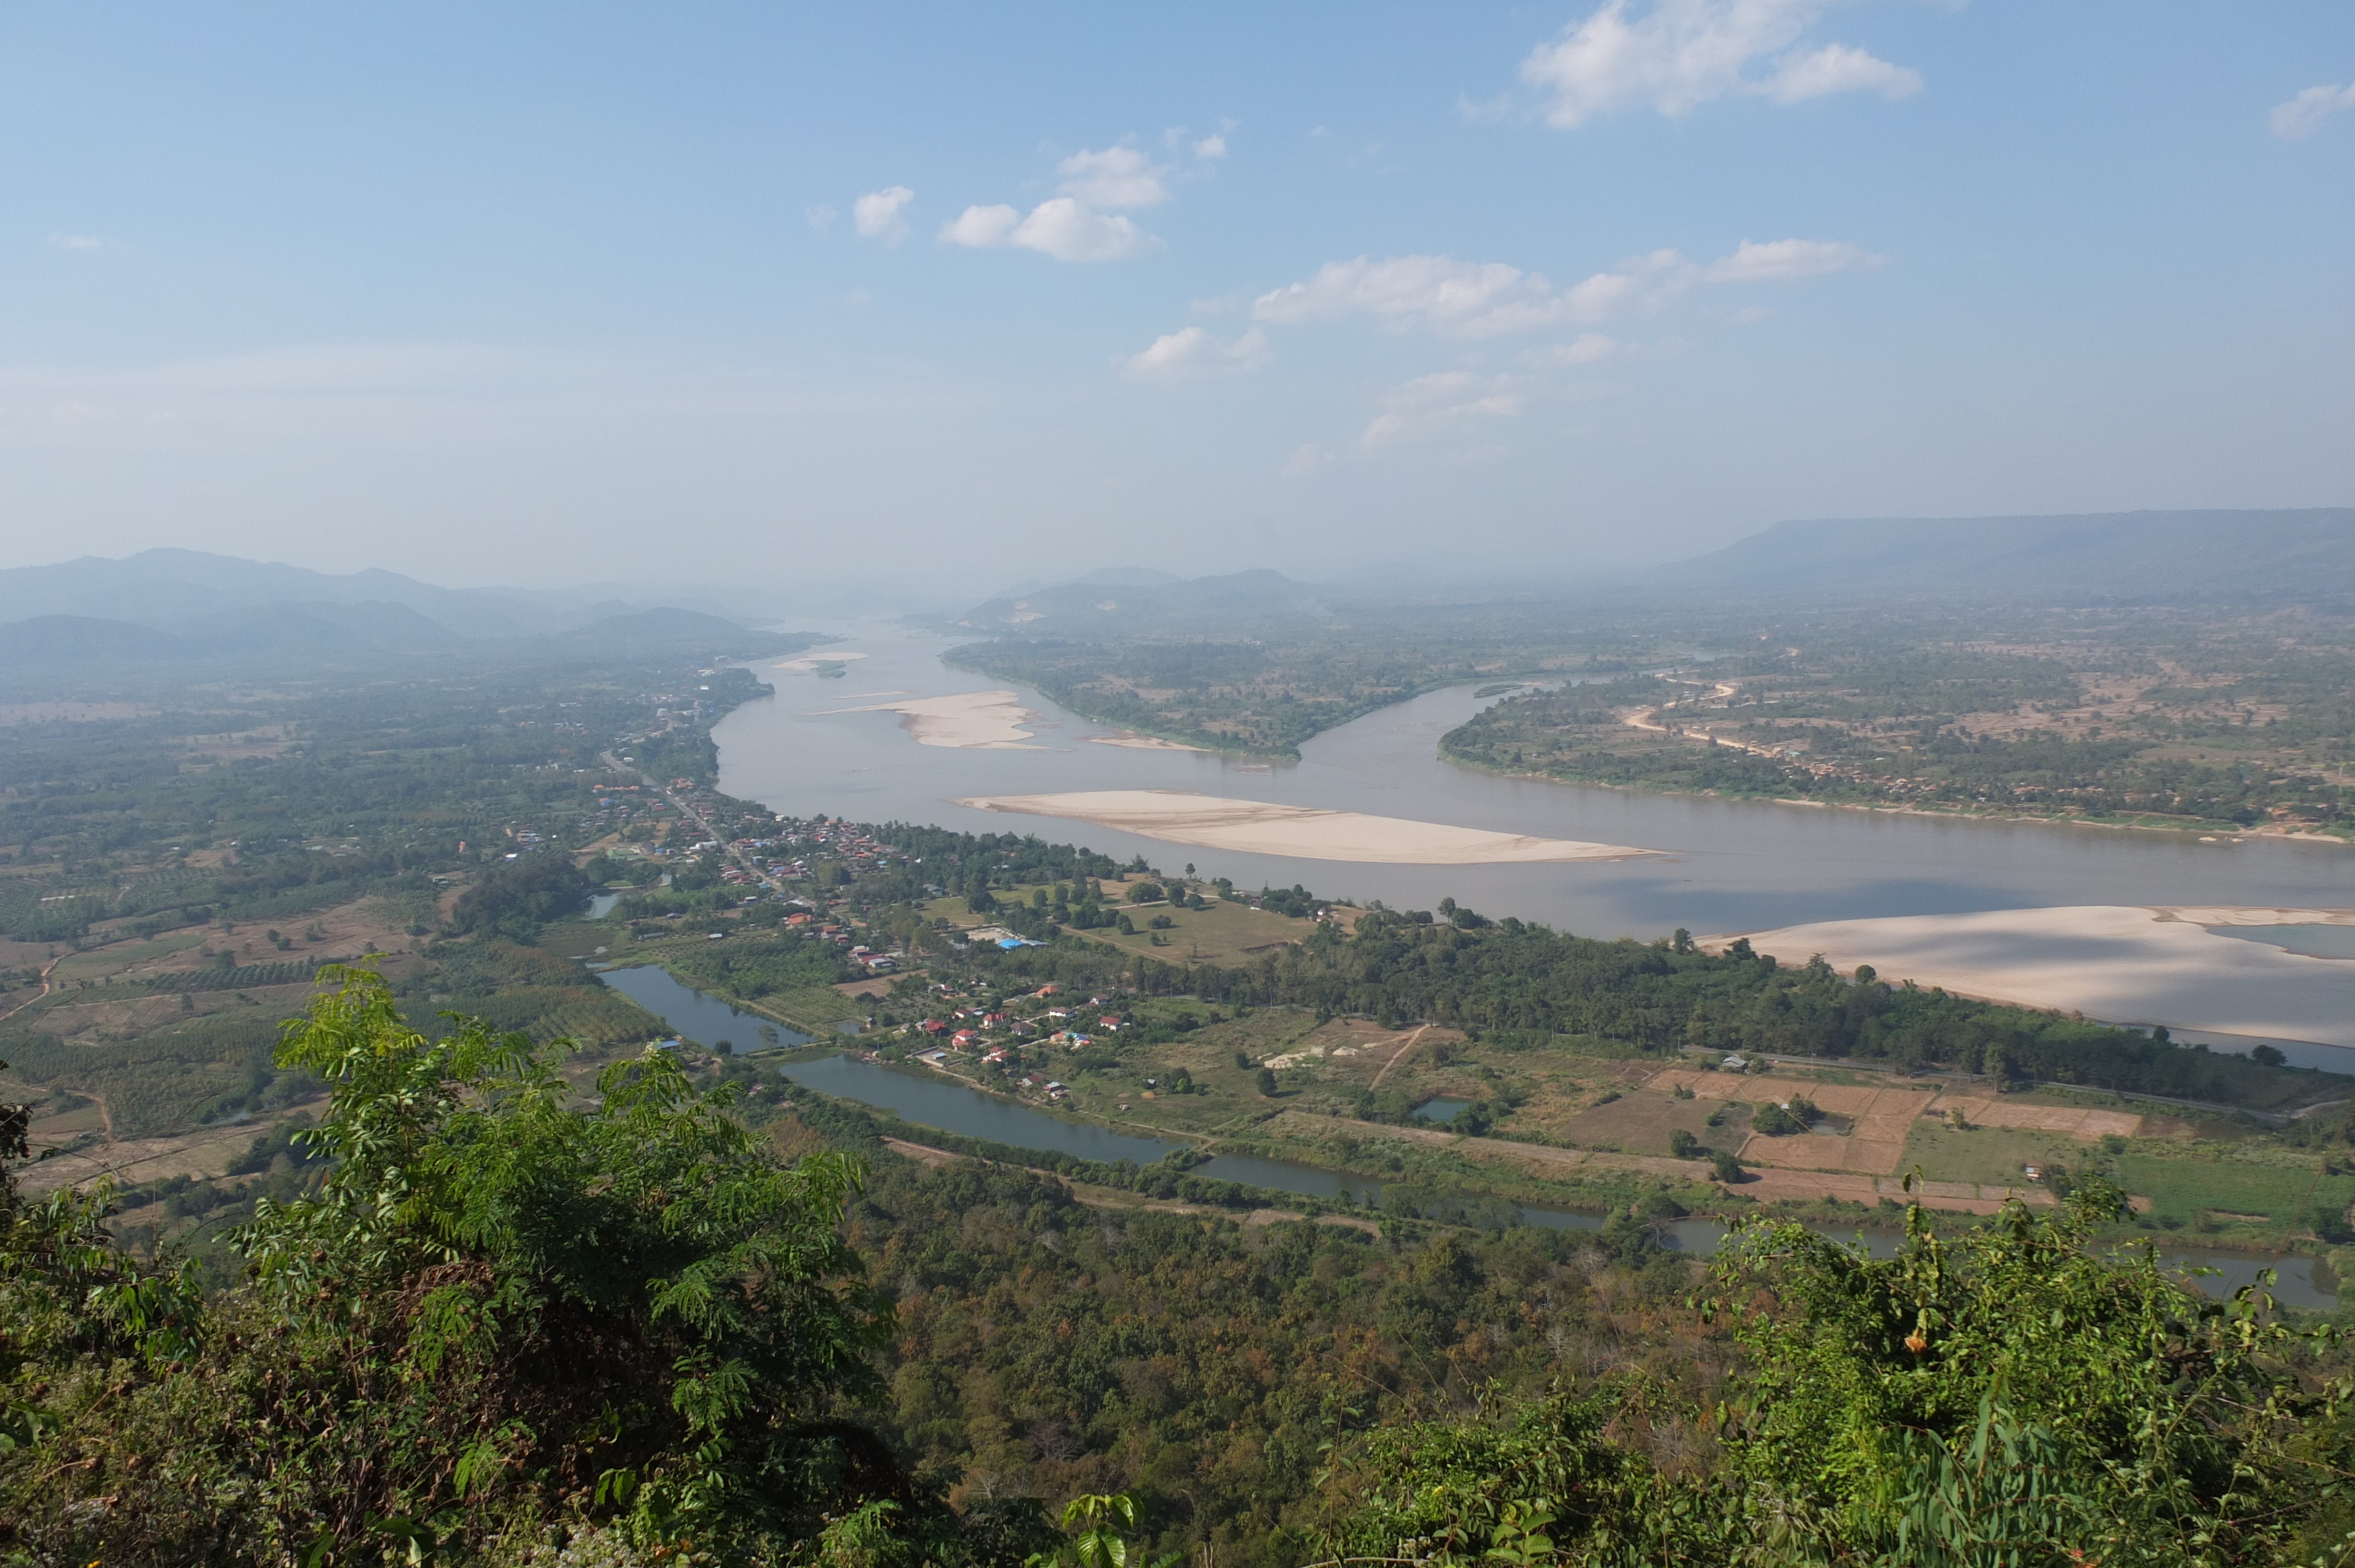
x=998 y=1031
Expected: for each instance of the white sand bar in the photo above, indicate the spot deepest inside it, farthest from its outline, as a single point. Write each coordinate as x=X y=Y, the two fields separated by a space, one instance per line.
x=1302 y=832
x=973 y=721
x=812 y=661
x=2120 y=963
x=1136 y=742
x=2249 y=915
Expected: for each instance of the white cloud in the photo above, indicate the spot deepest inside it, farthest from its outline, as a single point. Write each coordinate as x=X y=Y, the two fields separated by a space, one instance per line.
x=1211 y=146
x=821 y=217
x=1440 y=405
x=981 y=226
x=1191 y=354
x=1681 y=54
x=1586 y=349
x=1469 y=299
x=1116 y=177
x=2304 y=115
x=77 y=242
x=1060 y=226
x=876 y=215
x=1401 y=293
x=1838 y=68
x=1066 y=229
x=1308 y=460
x=1788 y=260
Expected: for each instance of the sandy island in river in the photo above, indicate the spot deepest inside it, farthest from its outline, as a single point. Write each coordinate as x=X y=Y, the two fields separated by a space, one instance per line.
x=2119 y=963
x=1259 y=827
x=976 y=721
x=812 y=661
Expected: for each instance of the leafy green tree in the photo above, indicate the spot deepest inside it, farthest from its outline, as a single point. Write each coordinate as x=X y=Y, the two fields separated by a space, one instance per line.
x=2009 y=1395
x=501 y=1306
x=515 y=897
x=2007 y=1398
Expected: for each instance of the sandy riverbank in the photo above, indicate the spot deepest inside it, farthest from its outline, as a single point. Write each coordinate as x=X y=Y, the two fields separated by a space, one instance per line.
x=2120 y=963
x=812 y=661
x=977 y=721
x=1259 y=827
x=1136 y=742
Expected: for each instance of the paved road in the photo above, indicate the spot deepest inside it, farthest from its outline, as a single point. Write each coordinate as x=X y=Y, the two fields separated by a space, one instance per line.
x=741 y=857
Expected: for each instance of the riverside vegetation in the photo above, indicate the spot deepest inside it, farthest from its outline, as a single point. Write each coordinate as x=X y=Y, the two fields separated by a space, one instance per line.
x=2192 y=716
x=510 y=1323
x=454 y=1271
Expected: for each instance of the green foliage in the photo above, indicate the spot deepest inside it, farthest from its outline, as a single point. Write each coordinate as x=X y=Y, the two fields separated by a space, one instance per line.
x=1521 y=978
x=517 y=897
x=2011 y=1395
x=499 y=1304
x=2003 y=1399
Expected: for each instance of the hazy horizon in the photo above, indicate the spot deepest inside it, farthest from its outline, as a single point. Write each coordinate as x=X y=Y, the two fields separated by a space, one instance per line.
x=948 y=300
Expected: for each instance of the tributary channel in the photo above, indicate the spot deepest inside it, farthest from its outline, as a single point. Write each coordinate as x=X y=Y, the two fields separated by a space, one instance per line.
x=931 y=1100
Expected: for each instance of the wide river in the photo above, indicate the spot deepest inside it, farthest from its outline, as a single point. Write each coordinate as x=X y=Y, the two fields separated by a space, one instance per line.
x=1727 y=866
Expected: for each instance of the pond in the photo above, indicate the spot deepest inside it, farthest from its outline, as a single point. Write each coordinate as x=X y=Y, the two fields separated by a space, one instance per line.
x=704 y=1019
x=1442 y=1110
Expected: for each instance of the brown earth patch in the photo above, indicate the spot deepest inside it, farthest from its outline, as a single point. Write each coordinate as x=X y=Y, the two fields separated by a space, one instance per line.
x=1639 y=1122
x=2084 y=1125
x=1766 y=1186
x=199 y=1154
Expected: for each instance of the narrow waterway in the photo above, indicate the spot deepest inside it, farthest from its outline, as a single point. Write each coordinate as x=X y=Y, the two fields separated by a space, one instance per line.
x=937 y=1101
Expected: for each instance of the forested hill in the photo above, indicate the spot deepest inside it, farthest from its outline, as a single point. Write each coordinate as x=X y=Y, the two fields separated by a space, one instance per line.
x=626 y=1328
x=2118 y=558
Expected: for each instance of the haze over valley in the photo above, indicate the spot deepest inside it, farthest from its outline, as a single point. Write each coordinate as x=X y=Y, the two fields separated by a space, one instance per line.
x=913 y=788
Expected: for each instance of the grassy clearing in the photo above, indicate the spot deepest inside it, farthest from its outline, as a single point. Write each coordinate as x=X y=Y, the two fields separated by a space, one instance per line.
x=813 y=1009
x=117 y=957
x=1224 y=933
x=1995 y=1156
x=2200 y=1186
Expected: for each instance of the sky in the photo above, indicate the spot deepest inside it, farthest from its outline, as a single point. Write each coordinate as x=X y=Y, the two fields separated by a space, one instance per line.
x=938 y=297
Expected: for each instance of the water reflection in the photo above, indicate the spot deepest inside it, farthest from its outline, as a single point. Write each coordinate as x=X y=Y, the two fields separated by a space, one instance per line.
x=704 y=1019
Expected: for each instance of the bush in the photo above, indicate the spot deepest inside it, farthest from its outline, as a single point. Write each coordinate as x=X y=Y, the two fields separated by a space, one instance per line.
x=500 y=1296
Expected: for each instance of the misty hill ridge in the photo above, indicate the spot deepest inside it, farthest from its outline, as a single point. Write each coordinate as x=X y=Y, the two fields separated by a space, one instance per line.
x=164 y=587
x=1136 y=596
x=2091 y=556
x=186 y=614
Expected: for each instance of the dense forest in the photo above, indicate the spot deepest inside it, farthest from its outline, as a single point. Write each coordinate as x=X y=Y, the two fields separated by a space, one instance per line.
x=506 y=1324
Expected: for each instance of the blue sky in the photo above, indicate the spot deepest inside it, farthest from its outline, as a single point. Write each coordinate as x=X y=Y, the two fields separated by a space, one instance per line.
x=795 y=295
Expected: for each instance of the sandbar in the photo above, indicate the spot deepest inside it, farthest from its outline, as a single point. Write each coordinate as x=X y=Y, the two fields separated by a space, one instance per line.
x=2118 y=963
x=1301 y=833
x=812 y=661
x=1129 y=738
x=2250 y=914
x=972 y=721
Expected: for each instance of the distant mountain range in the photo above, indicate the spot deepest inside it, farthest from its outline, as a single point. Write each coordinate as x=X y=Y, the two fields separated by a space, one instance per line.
x=2115 y=557
x=1139 y=599
x=192 y=614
